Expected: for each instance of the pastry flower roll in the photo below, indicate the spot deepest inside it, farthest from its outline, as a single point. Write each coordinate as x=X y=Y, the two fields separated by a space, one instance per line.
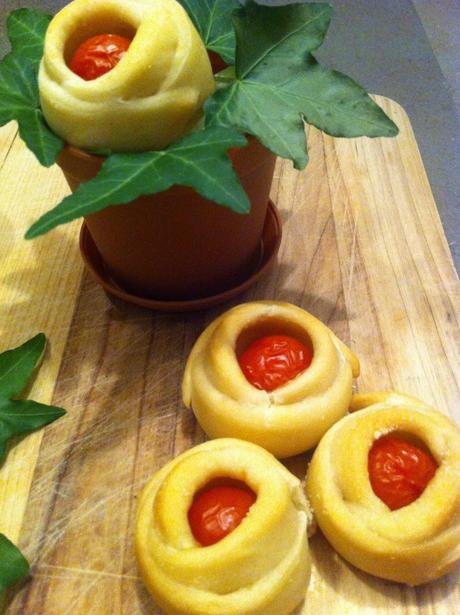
x=150 y=98
x=261 y=567
x=272 y=339
x=384 y=484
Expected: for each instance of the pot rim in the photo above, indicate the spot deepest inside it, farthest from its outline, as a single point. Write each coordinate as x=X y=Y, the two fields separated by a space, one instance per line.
x=87 y=156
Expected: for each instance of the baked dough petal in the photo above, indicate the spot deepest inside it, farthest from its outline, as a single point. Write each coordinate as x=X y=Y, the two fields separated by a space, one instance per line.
x=153 y=95
x=414 y=544
x=262 y=567
x=290 y=419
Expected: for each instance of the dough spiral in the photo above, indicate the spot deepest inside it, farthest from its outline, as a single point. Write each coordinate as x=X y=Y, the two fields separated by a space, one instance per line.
x=293 y=417
x=262 y=567
x=153 y=95
x=414 y=544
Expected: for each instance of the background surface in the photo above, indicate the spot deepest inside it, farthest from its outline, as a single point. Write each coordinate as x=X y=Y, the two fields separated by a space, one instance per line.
x=408 y=50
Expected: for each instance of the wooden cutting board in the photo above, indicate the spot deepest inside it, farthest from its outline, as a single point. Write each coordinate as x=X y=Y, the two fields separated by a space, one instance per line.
x=363 y=250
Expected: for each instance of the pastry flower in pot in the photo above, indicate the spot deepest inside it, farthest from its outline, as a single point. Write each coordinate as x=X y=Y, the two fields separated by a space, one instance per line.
x=166 y=118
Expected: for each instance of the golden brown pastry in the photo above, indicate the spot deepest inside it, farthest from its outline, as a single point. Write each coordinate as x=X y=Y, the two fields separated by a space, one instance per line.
x=415 y=543
x=293 y=417
x=262 y=567
x=149 y=99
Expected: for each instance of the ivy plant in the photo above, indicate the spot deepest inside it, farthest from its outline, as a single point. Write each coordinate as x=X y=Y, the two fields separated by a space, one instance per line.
x=278 y=83
x=273 y=85
x=18 y=416
x=19 y=97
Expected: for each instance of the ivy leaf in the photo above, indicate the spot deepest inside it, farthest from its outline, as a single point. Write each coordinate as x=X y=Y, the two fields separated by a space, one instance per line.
x=26 y=31
x=198 y=160
x=20 y=415
x=13 y=565
x=19 y=97
x=212 y=19
x=279 y=83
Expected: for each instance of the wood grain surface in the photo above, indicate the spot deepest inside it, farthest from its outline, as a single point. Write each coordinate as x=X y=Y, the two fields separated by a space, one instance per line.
x=363 y=250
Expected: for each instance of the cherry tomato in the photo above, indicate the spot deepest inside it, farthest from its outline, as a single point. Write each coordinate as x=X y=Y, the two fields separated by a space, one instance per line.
x=273 y=360
x=217 y=511
x=98 y=55
x=399 y=471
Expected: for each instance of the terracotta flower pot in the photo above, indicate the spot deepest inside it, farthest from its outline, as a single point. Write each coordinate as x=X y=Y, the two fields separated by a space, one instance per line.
x=176 y=245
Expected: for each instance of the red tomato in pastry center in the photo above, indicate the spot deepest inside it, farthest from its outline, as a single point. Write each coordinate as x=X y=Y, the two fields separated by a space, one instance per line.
x=273 y=360
x=217 y=511
x=399 y=471
x=98 y=55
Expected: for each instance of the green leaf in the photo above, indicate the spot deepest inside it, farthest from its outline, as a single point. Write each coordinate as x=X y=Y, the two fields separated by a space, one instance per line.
x=26 y=31
x=19 y=97
x=13 y=565
x=198 y=160
x=19 y=415
x=212 y=19
x=279 y=84
x=17 y=365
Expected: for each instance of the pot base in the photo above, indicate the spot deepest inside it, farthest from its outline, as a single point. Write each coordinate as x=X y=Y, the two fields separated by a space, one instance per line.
x=270 y=242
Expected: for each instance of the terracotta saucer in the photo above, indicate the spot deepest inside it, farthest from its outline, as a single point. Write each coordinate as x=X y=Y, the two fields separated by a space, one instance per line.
x=270 y=243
